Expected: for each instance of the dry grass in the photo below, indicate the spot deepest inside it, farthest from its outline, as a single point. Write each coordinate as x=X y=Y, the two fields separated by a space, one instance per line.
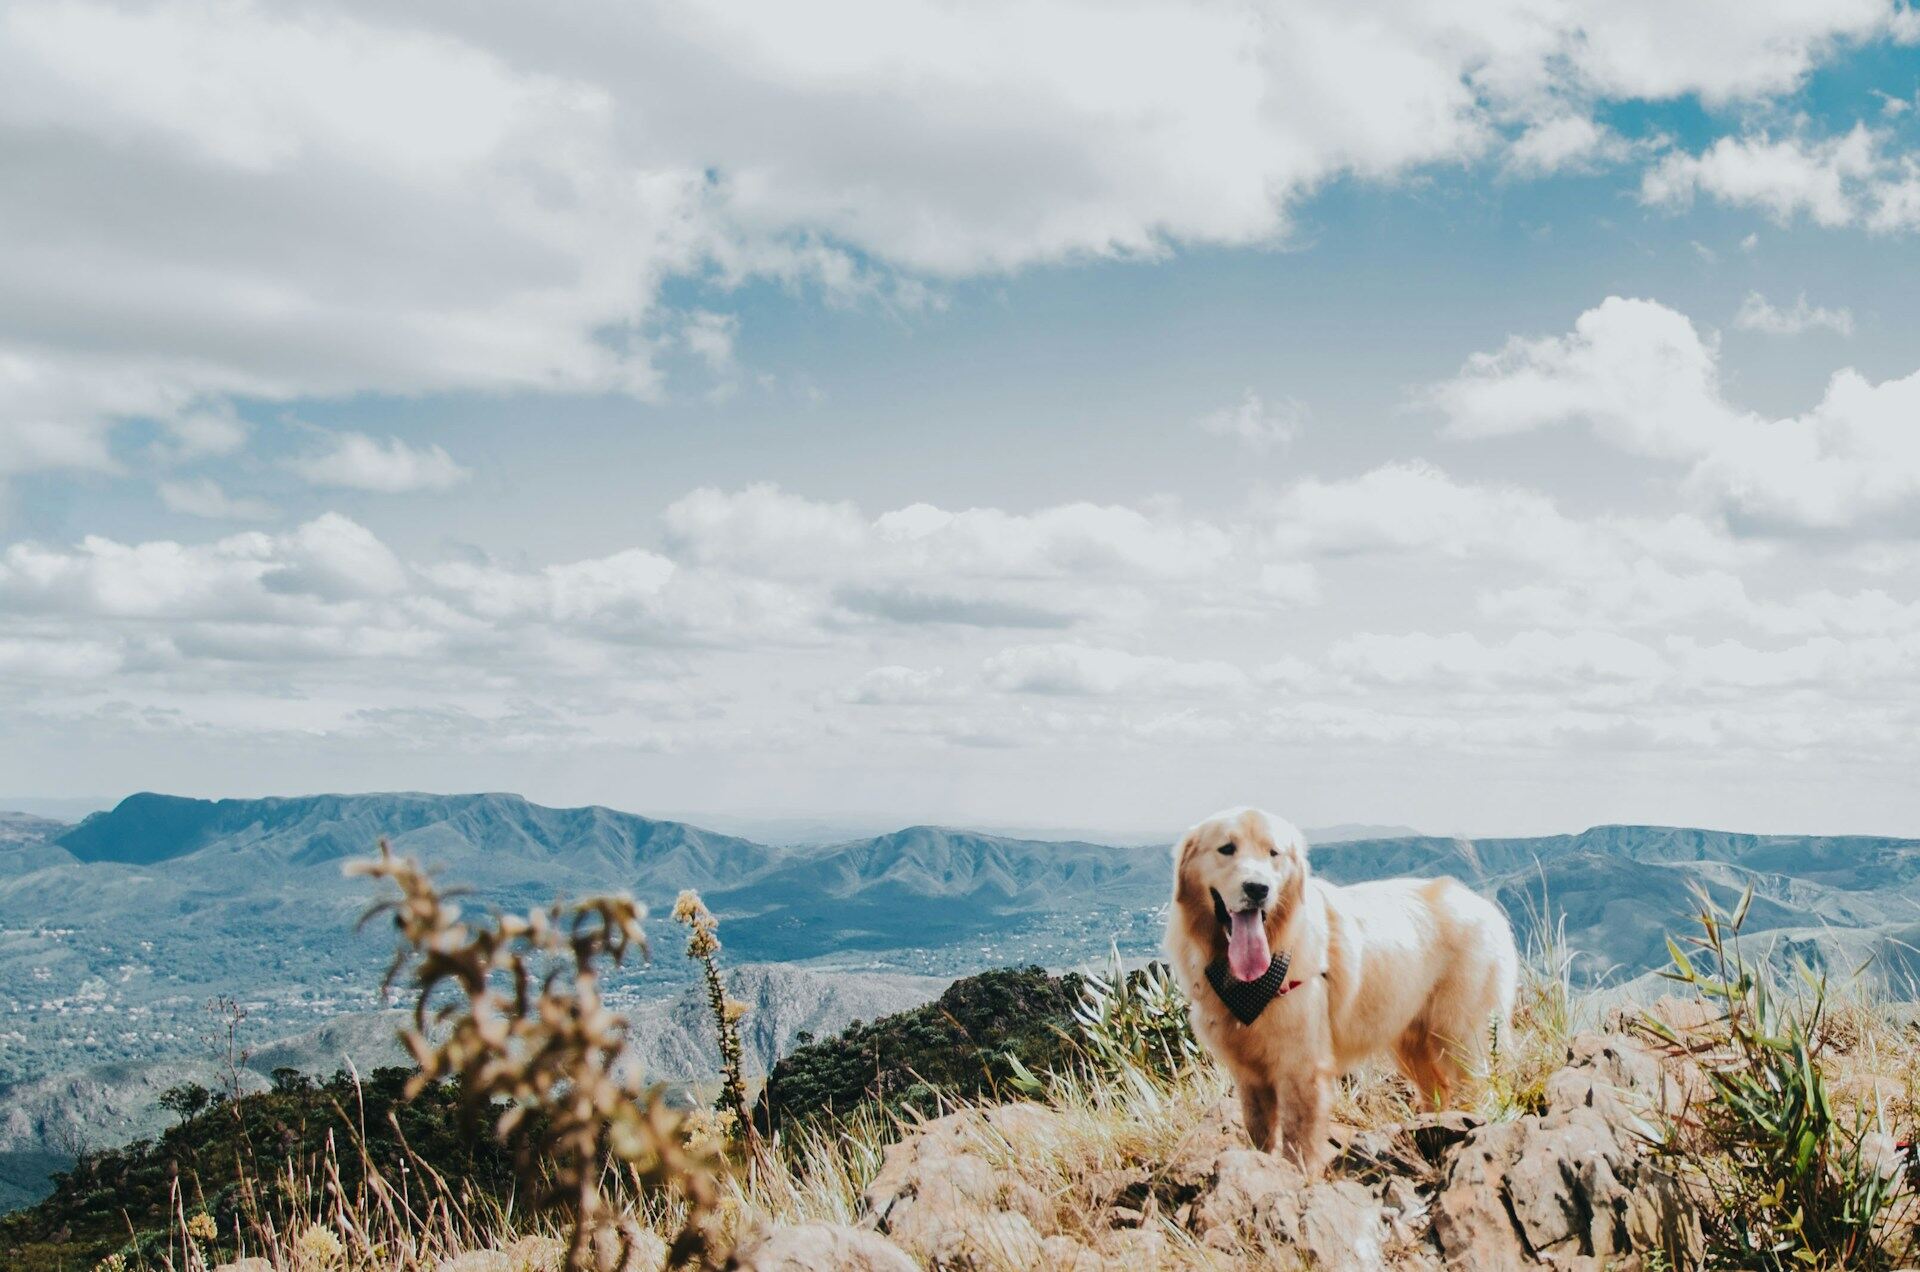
x=1097 y=1124
x=1872 y=1049
x=1104 y=1121
x=310 y=1220
x=1099 y=1121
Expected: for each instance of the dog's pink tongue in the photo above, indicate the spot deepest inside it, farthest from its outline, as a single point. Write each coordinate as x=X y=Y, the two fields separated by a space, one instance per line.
x=1247 y=951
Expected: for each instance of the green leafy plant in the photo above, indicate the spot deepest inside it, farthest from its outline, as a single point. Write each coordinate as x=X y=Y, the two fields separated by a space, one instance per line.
x=1787 y=1183
x=187 y=1101
x=1136 y=1020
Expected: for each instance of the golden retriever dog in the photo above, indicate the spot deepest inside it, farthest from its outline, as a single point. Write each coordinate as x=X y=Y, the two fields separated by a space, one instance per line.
x=1293 y=981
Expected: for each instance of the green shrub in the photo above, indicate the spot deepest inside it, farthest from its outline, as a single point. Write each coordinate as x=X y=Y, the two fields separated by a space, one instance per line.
x=1135 y=1020
x=975 y=1039
x=273 y=1140
x=1785 y=1181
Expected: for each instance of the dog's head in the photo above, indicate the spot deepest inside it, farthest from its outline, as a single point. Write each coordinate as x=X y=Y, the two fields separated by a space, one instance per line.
x=1238 y=877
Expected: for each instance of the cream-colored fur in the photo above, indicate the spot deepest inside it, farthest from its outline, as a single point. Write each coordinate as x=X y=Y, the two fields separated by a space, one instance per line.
x=1421 y=968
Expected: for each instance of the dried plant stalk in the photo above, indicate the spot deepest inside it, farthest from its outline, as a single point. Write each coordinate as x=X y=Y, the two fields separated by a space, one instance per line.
x=703 y=945
x=536 y=1053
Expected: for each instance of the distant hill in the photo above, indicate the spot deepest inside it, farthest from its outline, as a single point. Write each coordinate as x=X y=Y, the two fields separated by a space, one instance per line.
x=26 y=843
x=1834 y=899
x=42 y=1121
x=927 y=894
x=146 y=829
x=115 y=932
x=815 y=831
x=1345 y=831
x=17 y=826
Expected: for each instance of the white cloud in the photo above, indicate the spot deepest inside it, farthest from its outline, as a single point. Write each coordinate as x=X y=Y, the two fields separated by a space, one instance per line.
x=29 y=444
x=1757 y=313
x=33 y=660
x=1722 y=52
x=197 y=434
x=335 y=558
x=1565 y=142
x=1643 y=594
x=1466 y=658
x=922 y=564
x=709 y=337
x=1413 y=508
x=1651 y=597
x=1289 y=672
x=330 y=589
x=1822 y=662
x=355 y=461
x=763 y=528
x=731 y=634
x=1638 y=370
x=245 y=577
x=360 y=199
x=203 y=497
x=1783 y=178
x=578 y=590
x=1255 y=423
x=1081 y=670
x=981 y=568
x=1844 y=180
x=1647 y=381
x=753 y=571
x=1294 y=582
x=895 y=686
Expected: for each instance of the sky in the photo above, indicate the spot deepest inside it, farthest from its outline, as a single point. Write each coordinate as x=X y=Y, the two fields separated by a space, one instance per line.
x=1499 y=416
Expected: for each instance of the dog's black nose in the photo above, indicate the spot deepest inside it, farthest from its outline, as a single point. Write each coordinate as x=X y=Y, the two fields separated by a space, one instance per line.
x=1255 y=893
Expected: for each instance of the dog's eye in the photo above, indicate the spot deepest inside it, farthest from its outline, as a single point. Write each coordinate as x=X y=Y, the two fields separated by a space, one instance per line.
x=1227 y=850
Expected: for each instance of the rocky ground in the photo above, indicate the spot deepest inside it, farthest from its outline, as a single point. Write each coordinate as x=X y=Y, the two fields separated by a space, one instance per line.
x=1572 y=1187
x=1021 y=1187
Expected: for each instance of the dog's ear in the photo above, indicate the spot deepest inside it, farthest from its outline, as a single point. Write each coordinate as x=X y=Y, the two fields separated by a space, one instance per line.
x=1184 y=845
x=1192 y=903
x=1185 y=890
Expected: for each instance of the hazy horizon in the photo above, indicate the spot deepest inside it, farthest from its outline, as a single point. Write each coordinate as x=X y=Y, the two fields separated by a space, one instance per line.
x=820 y=827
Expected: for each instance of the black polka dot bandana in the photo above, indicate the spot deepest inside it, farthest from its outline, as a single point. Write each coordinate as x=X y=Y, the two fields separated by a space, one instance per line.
x=1247 y=999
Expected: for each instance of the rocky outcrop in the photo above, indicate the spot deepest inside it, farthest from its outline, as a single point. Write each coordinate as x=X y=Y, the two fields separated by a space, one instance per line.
x=1020 y=1188
x=820 y=1247
x=1575 y=1186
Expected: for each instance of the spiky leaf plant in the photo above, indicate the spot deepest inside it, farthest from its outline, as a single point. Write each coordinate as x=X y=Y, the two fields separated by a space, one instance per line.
x=1136 y=1020
x=1787 y=1183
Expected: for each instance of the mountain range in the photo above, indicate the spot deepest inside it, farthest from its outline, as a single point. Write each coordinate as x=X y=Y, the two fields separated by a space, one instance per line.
x=114 y=933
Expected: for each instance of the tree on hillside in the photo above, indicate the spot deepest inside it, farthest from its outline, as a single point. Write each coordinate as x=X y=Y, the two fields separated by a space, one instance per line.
x=186 y=1101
